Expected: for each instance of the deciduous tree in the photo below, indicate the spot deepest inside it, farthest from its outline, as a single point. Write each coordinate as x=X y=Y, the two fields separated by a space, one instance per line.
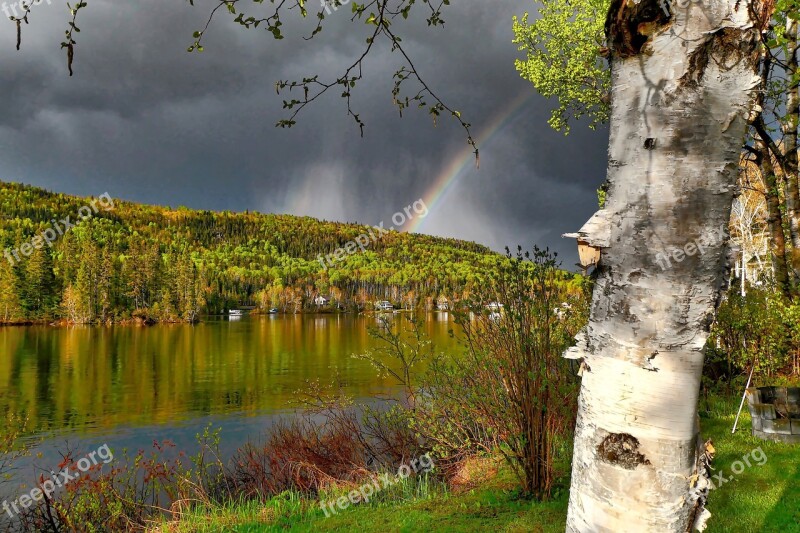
x=683 y=84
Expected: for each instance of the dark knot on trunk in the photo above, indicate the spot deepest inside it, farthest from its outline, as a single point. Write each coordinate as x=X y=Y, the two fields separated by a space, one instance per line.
x=630 y=25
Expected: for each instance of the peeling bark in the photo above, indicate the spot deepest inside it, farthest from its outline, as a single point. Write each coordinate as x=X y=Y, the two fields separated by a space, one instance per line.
x=679 y=109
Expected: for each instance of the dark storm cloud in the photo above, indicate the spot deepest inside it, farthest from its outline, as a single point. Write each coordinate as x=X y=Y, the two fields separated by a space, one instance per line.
x=148 y=122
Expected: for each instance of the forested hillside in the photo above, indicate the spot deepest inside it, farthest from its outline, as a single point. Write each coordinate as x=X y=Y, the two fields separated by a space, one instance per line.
x=158 y=263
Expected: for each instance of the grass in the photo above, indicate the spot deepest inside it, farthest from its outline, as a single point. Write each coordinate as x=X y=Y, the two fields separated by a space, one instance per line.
x=491 y=503
x=763 y=498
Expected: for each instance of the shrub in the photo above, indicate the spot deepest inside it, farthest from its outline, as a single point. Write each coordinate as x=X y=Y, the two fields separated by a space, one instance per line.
x=757 y=330
x=511 y=390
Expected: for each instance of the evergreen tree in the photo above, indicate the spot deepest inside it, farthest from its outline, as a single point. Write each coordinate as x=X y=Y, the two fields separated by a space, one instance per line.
x=39 y=294
x=10 y=308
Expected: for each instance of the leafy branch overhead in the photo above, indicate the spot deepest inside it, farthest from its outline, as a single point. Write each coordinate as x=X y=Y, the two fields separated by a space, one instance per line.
x=69 y=42
x=379 y=15
x=19 y=19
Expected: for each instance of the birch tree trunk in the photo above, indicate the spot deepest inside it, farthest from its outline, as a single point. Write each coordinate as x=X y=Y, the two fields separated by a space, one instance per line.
x=682 y=87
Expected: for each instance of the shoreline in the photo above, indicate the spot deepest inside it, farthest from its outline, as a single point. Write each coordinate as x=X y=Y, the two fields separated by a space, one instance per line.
x=139 y=322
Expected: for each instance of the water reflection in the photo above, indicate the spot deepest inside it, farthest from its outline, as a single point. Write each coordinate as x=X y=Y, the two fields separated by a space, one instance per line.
x=85 y=380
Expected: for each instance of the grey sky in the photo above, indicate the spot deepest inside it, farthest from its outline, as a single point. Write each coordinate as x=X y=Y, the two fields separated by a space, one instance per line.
x=148 y=122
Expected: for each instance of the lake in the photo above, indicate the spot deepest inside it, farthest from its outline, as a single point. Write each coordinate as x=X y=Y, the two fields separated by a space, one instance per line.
x=127 y=385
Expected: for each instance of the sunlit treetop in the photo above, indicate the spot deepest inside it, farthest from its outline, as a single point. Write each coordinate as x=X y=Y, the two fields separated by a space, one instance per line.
x=563 y=59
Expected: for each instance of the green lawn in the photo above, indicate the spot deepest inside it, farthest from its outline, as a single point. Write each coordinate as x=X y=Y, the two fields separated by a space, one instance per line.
x=762 y=498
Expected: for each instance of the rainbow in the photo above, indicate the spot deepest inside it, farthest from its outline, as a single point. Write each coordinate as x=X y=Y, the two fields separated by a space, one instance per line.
x=455 y=168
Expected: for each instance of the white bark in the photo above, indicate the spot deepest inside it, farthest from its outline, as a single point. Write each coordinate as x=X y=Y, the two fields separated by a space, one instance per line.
x=677 y=126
